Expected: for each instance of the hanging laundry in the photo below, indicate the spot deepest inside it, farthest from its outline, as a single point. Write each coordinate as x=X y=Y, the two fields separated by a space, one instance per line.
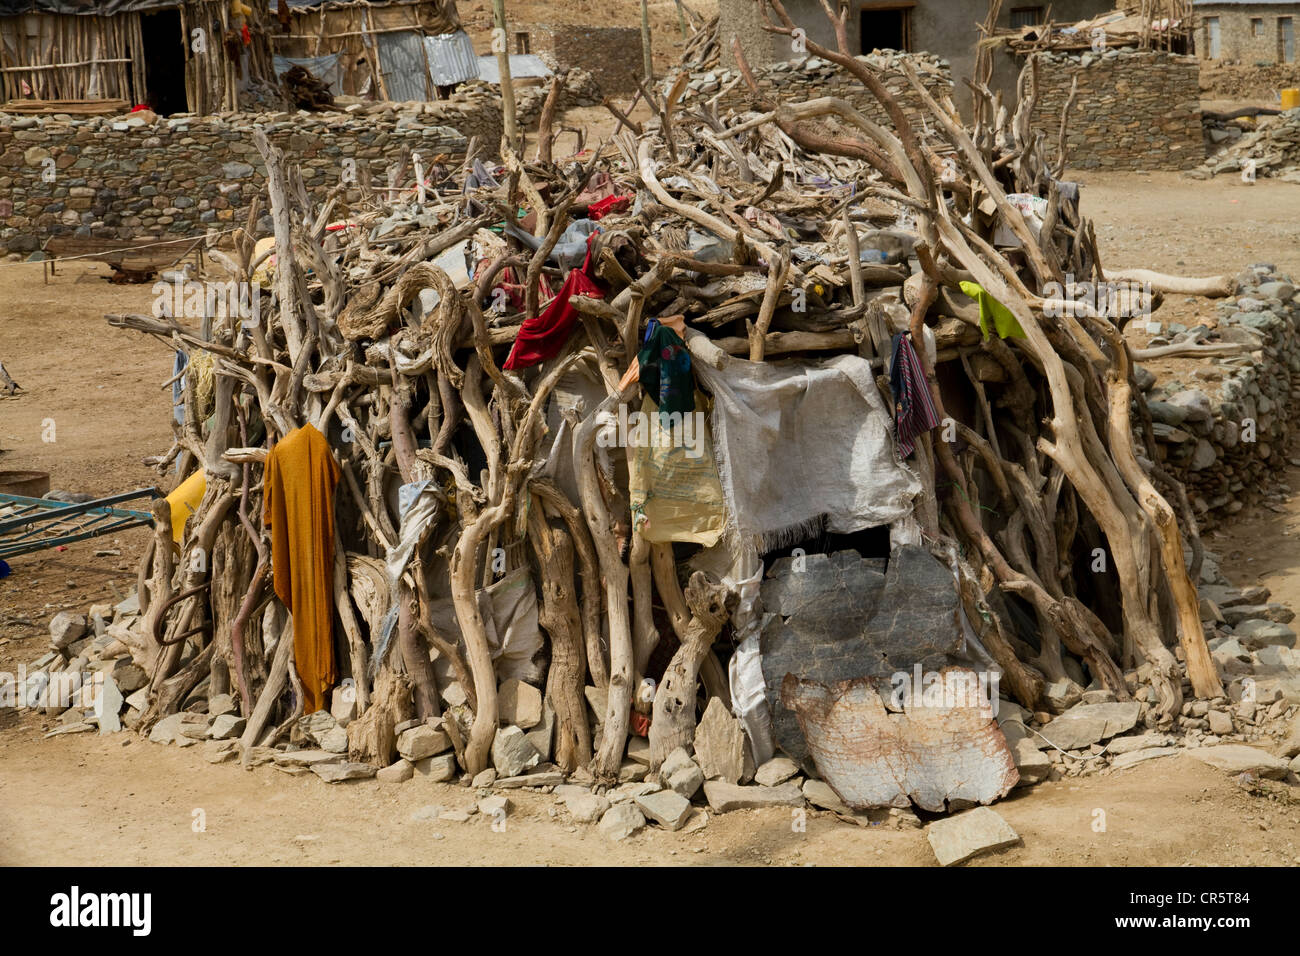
x=665 y=370
x=300 y=478
x=991 y=309
x=543 y=337
x=914 y=412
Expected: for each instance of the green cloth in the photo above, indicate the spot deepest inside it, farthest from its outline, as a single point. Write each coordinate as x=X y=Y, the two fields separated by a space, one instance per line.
x=665 y=371
x=990 y=308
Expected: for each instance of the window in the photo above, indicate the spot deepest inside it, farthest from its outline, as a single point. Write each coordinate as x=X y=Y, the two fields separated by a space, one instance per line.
x=1026 y=17
x=1257 y=27
x=885 y=26
x=1285 y=40
x=1212 y=37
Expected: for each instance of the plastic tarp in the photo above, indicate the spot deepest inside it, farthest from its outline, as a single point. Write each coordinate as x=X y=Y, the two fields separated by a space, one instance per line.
x=521 y=65
x=324 y=68
x=88 y=8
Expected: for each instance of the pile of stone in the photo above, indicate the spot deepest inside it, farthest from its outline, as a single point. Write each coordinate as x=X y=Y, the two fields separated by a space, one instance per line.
x=1271 y=149
x=800 y=80
x=1223 y=428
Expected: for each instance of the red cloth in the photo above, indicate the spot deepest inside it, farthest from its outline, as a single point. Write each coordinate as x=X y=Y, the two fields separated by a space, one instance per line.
x=603 y=207
x=543 y=337
x=247 y=37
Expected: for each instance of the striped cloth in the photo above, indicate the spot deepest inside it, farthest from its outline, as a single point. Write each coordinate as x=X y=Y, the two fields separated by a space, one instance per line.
x=914 y=412
x=451 y=58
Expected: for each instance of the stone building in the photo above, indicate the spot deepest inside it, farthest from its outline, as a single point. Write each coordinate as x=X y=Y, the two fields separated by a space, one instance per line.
x=945 y=28
x=1258 y=33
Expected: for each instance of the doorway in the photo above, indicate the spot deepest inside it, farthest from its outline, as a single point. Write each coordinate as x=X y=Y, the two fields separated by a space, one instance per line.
x=1285 y=40
x=1212 y=37
x=164 y=62
x=886 y=27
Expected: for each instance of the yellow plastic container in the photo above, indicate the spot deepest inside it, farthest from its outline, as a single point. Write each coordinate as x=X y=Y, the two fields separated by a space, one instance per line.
x=1290 y=98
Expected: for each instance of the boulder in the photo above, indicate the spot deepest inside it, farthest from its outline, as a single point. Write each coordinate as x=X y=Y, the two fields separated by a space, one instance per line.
x=512 y=753
x=958 y=838
x=621 y=821
x=666 y=808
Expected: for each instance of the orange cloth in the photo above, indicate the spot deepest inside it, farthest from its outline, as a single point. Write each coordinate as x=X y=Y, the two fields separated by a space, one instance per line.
x=300 y=477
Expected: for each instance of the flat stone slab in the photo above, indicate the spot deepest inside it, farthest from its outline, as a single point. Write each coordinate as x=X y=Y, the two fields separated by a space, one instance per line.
x=666 y=808
x=1132 y=757
x=305 y=758
x=1238 y=758
x=966 y=835
x=723 y=796
x=338 y=772
x=840 y=616
x=1087 y=724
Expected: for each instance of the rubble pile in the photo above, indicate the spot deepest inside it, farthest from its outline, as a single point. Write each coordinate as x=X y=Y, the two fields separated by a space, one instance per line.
x=1271 y=149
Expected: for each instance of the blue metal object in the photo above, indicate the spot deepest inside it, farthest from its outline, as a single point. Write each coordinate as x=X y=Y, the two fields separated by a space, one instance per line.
x=34 y=524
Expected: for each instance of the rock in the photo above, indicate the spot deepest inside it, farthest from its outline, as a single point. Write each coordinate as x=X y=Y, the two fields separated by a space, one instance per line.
x=1255 y=634
x=454 y=695
x=777 y=770
x=1139 y=756
x=1123 y=745
x=422 y=741
x=542 y=737
x=1203 y=455
x=343 y=706
x=399 y=772
x=335 y=740
x=681 y=774
x=168 y=730
x=225 y=726
x=586 y=807
x=512 y=754
x=519 y=703
x=130 y=677
x=720 y=744
x=1086 y=724
x=305 y=758
x=66 y=627
x=966 y=835
x=220 y=704
x=544 y=778
x=346 y=770
x=484 y=778
x=1238 y=758
x=724 y=796
x=629 y=771
x=638 y=750
x=221 y=751
x=313 y=725
x=455 y=816
x=425 y=814
x=495 y=807
x=438 y=769
x=666 y=808
x=1220 y=723
x=1032 y=764
x=841 y=616
x=1061 y=695
x=108 y=704
x=820 y=794
x=621 y=821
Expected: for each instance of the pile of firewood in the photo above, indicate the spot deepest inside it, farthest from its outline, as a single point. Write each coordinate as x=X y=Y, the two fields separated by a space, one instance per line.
x=376 y=338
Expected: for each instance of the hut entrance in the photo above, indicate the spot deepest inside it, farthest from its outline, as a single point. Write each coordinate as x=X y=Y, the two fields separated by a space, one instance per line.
x=164 y=59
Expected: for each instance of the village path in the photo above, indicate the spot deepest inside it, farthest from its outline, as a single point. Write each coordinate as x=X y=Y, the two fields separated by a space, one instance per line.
x=120 y=800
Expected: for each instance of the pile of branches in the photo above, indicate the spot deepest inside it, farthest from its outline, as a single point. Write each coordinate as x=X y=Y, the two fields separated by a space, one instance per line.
x=1051 y=466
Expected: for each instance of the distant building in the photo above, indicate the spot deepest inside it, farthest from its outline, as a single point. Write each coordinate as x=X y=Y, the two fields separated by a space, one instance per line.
x=1255 y=33
x=945 y=28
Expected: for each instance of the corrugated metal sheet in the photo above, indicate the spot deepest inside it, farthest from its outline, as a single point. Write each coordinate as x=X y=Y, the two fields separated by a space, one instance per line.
x=401 y=57
x=451 y=58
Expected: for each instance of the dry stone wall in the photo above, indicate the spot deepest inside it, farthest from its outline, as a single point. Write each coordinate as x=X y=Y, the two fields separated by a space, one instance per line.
x=127 y=177
x=1135 y=109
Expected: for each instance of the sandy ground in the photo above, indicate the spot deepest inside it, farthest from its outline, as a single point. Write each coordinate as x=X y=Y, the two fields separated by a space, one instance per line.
x=91 y=800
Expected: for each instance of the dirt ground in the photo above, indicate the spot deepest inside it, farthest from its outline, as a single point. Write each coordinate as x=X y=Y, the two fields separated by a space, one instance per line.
x=119 y=800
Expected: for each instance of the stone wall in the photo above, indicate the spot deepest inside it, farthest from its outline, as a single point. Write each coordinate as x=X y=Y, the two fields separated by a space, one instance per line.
x=611 y=54
x=1223 y=427
x=126 y=177
x=813 y=77
x=1136 y=109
